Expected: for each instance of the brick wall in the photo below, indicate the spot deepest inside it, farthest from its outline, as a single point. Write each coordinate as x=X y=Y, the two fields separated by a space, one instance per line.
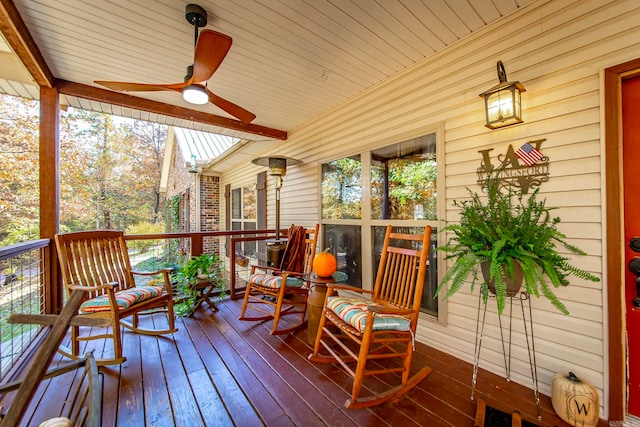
x=183 y=183
x=210 y=209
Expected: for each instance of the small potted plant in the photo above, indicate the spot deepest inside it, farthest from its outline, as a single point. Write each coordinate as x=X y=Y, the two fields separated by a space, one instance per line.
x=510 y=239
x=193 y=277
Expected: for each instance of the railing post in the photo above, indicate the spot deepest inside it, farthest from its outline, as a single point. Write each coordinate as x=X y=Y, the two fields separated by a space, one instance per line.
x=50 y=192
x=196 y=244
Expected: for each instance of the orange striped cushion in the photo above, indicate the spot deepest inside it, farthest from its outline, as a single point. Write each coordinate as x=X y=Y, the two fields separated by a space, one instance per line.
x=125 y=299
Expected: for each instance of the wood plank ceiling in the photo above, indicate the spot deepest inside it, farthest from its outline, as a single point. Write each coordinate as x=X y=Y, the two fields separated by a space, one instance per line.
x=290 y=62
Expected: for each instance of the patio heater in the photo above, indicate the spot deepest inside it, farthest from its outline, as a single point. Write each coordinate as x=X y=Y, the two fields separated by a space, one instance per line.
x=278 y=169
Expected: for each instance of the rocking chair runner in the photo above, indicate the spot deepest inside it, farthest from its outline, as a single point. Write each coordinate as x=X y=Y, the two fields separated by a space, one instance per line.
x=283 y=289
x=98 y=262
x=382 y=327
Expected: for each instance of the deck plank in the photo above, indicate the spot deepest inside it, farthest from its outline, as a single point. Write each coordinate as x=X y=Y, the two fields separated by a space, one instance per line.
x=128 y=392
x=329 y=380
x=238 y=407
x=183 y=401
x=220 y=371
x=291 y=378
x=255 y=390
x=157 y=404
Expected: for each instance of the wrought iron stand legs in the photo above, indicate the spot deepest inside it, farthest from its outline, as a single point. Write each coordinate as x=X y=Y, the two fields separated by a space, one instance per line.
x=506 y=351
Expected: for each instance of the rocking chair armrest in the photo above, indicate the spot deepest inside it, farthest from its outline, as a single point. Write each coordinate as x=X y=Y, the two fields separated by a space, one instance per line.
x=338 y=286
x=109 y=285
x=264 y=267
x=291 y=273
x=152 y=273
x=381 y=309
x=165 y=272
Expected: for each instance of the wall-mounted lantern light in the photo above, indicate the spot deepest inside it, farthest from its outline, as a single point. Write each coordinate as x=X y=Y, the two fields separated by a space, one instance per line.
x=193 y=168
x=502 y=102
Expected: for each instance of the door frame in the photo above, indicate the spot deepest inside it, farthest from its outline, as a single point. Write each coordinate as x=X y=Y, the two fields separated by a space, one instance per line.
x=614 y=220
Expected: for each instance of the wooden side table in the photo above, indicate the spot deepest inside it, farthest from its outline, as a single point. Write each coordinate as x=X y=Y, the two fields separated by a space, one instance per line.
x=315 y=302
x=205 y=288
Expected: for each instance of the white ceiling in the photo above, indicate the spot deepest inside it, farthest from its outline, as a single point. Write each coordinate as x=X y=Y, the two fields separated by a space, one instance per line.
x=290 y=62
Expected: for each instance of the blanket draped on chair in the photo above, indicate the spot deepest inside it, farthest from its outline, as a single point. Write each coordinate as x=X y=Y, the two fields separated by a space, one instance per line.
x=293 y=257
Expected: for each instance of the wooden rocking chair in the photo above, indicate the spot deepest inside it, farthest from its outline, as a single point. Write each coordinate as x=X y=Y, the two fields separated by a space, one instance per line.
x=98 y=263
x=382 y=325
x=283 y=289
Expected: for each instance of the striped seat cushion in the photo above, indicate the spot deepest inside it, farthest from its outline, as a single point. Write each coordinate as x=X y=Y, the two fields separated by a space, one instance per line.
x=125 y=299
x=272 y=281
x=353 y=311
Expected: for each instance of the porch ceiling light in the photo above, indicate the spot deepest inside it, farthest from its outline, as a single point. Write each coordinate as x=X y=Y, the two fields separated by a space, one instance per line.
x=502 y=102
x=195 y=94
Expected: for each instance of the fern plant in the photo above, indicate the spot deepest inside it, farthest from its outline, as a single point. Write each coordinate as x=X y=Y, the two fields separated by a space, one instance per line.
x=504 y=230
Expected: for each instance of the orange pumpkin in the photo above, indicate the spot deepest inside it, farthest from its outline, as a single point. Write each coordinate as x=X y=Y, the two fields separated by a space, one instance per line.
x=325 y=264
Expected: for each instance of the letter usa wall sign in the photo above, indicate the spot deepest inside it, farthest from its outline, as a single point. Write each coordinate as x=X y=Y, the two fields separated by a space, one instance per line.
x=525 y=168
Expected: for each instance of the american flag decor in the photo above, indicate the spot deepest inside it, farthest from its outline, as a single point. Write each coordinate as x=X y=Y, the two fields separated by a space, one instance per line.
x=529 y=154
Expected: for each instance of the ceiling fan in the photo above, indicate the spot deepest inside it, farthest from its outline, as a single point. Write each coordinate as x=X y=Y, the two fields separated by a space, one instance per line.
x=210 y=49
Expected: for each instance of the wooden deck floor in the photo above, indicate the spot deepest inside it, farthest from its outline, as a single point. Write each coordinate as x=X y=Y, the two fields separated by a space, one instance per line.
x=219 y=371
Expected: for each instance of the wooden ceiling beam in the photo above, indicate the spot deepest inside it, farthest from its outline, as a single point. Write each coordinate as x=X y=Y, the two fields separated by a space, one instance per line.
x=15 y=31
x=129 y=101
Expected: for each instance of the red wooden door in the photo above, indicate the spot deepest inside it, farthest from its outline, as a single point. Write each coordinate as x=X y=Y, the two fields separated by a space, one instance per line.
x=631 y=174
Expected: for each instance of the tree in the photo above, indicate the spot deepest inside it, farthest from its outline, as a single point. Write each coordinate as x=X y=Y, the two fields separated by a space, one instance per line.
x=151 y=139
x=19 y=191
x=122 y=174
x=109 y=170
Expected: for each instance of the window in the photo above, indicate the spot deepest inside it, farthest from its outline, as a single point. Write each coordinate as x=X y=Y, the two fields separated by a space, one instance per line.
x=342 y=188
x=403 y=180
x=243 y=214
x=344 y=241
x=403 y=192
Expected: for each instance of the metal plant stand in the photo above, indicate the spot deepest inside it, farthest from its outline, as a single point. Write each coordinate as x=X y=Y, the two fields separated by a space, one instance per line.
x=506 y=351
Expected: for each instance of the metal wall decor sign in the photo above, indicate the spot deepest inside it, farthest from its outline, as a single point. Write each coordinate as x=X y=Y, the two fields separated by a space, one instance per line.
x=525 y=168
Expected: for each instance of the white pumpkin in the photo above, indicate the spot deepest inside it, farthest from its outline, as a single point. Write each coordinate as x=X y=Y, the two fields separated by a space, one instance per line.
x=575 y=401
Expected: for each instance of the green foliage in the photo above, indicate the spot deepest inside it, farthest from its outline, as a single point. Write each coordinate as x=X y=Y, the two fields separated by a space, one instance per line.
x=109 y=170
x=152 y=264
x=206 y=267
x=175 y=213
x=19 y=192
x=507 y=230
x=143 y=228
x=410 y=183
x=342 y=189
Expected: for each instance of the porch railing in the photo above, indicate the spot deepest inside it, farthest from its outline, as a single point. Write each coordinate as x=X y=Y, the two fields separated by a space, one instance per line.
x=22 y=290
x=25 y=285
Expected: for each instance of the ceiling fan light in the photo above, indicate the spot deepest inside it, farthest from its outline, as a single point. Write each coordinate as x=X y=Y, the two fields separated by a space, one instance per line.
x=195 y=94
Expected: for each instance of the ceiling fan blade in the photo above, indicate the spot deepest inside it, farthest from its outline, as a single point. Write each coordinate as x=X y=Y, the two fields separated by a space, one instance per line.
x=231 y=108
x=211 y=49
x=130 y=87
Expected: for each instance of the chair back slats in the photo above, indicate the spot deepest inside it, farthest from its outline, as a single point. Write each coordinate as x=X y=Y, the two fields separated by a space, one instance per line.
x=310 y=249
x=94 y=259
x=399 y=279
